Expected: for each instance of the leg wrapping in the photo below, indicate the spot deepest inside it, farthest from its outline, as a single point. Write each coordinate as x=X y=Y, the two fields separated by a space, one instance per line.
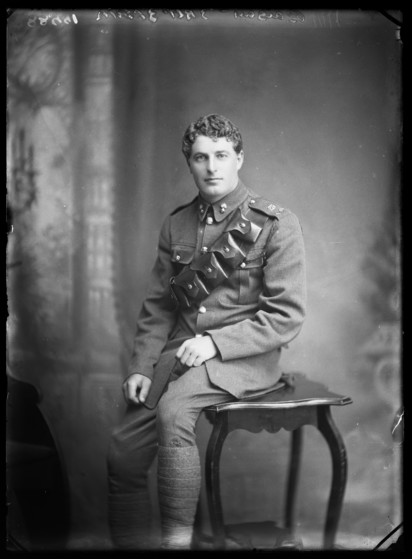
x=130 y=520
x=179 y=480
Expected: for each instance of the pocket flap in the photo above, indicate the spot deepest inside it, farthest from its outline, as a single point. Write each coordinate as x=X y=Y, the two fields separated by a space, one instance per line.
x=182 y=254
x=254 y=261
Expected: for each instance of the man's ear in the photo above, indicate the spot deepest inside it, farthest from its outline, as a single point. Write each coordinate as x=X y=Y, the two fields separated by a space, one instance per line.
x=240 y=159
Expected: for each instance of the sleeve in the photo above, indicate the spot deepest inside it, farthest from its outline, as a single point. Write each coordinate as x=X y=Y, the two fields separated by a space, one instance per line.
x=158 y=313
x=282 y=303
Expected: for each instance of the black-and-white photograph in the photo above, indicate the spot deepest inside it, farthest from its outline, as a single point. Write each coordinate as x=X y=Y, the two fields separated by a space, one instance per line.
x=203 y=275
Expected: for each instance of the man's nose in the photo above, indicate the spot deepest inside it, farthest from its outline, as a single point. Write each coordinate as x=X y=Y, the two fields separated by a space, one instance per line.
x=211 y=165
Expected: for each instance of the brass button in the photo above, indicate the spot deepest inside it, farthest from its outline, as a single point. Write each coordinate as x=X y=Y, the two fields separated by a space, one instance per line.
x=209 y=270
x=209 y=220
x=253 y=201
x=242 y=224
x=189 y=286
x=177 y=256
x=243 y=265
x=202 y=309
x=203 y=249
x=226 y=248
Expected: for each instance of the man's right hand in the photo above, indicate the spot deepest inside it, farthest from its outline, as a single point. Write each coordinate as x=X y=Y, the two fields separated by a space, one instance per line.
x=136 y=388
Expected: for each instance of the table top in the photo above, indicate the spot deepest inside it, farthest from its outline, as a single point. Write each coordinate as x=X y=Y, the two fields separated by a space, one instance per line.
x=302 y=392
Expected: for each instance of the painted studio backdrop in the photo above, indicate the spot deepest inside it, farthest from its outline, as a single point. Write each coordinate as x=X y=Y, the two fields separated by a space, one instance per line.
x=97 y=105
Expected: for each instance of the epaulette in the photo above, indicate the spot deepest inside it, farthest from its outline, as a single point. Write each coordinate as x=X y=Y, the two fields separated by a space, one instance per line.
x=183 y=206
x=265 y=206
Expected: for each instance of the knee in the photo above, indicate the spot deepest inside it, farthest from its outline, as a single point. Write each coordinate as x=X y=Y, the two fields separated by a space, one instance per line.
x=116 y=458
x=127 y=468
x=175 y=425
x=166 y=411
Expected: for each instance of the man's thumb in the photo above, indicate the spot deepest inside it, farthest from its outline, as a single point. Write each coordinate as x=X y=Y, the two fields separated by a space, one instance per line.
x=143 y=393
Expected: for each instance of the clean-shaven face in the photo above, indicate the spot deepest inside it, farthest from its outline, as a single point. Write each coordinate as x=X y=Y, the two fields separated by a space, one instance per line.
x=214 y=165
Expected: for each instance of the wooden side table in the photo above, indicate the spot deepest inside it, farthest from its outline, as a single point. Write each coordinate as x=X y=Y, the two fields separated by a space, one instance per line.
x=291 y=406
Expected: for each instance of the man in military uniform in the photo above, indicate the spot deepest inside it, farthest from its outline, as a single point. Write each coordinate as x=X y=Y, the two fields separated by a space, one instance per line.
x=226 y=294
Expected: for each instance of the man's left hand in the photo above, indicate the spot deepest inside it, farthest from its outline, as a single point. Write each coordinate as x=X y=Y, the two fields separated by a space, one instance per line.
x=195 y=351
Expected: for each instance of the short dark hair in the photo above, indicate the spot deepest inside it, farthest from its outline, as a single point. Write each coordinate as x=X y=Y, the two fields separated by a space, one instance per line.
x=214 y=126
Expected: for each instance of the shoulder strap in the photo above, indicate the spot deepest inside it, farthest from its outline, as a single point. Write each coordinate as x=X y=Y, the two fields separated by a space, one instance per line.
x=264 y=206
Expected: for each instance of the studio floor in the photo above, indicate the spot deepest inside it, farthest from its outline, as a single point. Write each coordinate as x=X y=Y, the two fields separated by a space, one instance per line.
x=264 y=536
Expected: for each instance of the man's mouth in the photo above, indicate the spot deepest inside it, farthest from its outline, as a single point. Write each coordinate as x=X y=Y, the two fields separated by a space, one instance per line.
x=213 y=179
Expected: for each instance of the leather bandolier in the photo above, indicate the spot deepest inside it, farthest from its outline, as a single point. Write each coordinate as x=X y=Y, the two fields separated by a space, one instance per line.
x=197 y=279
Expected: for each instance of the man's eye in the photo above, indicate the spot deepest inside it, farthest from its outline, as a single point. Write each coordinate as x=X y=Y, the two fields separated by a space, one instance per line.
x=222 y=155
x=199 y=158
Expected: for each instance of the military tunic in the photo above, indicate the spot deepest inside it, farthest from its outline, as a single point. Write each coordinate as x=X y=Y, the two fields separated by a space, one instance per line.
x=255 y=310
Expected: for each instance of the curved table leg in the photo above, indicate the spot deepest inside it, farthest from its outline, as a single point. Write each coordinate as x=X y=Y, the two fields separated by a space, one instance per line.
x=212 y=478
x=330 y=432
x=294 y=467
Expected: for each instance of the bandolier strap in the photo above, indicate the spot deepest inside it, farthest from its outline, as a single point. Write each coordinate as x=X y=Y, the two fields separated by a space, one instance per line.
x=208 y=270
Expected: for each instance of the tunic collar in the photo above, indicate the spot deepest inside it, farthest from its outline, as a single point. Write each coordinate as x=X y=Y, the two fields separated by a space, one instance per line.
x=225 y=206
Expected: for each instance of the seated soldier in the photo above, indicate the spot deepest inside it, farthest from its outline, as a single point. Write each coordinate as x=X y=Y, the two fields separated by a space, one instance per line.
x=226 y=294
